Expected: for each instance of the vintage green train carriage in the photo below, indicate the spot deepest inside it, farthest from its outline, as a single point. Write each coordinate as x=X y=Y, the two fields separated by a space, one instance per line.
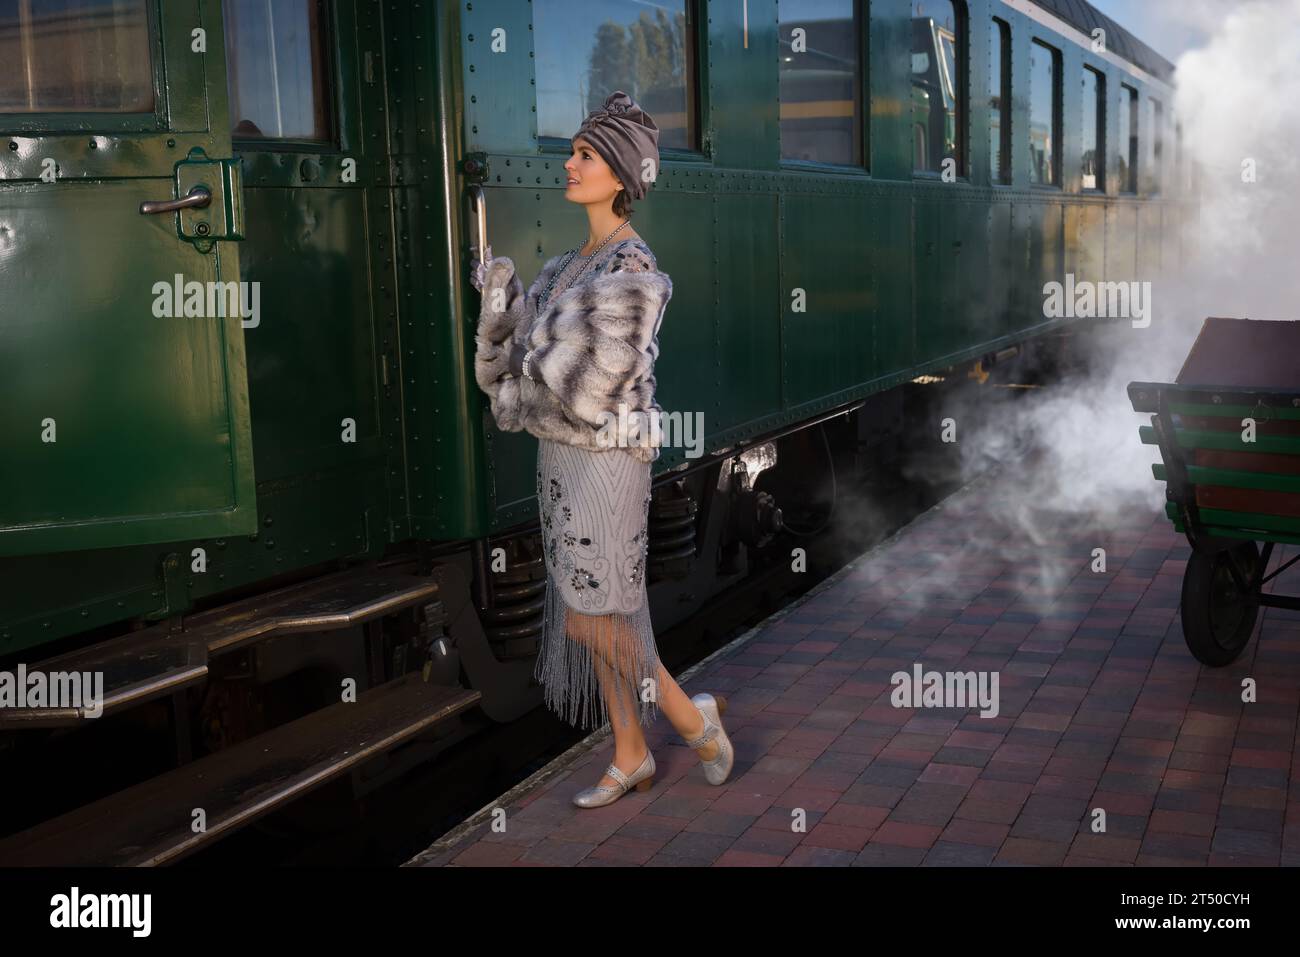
x=202 y=482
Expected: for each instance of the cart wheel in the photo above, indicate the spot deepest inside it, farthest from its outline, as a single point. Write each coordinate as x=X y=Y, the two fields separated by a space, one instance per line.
x=1217 y=622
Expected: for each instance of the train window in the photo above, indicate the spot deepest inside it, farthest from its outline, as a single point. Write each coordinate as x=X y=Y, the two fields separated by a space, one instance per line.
x=938 y=85
x=819 y=59
x=1128 y=139
x=1000 y=102
x=1044 y=115
x=76 y=56
x=1094 y=129
x=587 y=49
x=1156 y=137
x=277 y=69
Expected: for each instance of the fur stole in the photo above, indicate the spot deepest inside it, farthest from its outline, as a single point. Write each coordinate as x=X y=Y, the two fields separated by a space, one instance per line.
x=594 y=349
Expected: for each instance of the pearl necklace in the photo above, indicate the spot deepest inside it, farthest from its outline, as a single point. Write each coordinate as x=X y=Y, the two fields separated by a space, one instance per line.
x=590 y=257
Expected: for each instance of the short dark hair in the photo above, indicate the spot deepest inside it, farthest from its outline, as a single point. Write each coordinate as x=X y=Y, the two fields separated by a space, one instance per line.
x=622 y=204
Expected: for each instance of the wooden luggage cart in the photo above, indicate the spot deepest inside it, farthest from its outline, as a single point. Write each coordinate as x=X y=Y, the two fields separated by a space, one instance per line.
x=1229 y=437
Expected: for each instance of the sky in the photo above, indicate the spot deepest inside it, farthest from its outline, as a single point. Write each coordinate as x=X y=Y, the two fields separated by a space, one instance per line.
x=1161 y=24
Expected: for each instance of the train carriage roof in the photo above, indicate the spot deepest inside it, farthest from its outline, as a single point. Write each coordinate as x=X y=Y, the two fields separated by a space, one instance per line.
x=1085 y=17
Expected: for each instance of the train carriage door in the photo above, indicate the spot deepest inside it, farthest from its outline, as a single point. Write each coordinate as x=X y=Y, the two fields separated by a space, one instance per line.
x=124 y=412
x=308 y=118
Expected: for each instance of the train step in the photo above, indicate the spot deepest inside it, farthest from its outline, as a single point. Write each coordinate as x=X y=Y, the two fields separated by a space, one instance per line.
x=160 y=660
x=155 y=822
x=130 y=670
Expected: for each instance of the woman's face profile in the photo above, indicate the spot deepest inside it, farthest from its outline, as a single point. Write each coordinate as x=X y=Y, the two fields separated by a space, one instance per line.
x=589 y=178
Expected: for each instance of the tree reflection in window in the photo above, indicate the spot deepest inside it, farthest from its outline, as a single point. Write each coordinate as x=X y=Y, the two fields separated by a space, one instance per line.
x=1094 y=130
x=587 y=49
x=1128 y=139
x=1044 y=115
x=1000 y=102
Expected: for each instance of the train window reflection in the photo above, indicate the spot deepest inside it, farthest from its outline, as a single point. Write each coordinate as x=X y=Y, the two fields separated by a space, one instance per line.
x=820 y=69
x=1128 y=139
x=938 y=54
x=587 y=49
x=1094 y=129
x=1000 y=102
x=277 y=69
x=1044 y=115
x=82 y=56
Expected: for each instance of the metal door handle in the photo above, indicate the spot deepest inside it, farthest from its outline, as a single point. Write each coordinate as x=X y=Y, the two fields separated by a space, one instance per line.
x=198 y=198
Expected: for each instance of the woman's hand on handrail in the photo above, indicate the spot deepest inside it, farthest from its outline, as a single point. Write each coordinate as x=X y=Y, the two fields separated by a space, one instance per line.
x=478 y=270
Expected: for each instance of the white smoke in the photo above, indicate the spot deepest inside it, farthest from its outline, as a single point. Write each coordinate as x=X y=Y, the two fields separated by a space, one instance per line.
x=1236 y=97
x=1236 y=103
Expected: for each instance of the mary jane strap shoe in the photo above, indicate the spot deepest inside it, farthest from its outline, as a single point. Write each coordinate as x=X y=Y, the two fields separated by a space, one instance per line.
x=710 y=708
x=600 y=795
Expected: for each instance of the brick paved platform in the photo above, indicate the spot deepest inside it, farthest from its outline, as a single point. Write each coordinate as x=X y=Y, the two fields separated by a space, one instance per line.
x=1101 y=706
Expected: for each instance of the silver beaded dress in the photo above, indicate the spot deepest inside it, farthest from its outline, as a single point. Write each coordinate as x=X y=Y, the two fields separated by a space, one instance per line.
x=598 y=641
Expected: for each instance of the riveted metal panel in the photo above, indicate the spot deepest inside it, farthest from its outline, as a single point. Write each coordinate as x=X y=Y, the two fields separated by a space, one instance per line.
x=829 y=346
x=890 y=262
x=1150 y=220
x=703 y=321
x=951 y=300
x=1003 y=280
x=1085 y=230
x=928 y=277
x=496 y=53
x=1121 y=242
x=1047 y=248
x=742 y=51
x=313 y=363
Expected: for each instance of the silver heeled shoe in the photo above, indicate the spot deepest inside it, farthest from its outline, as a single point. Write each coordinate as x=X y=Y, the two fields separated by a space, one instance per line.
x=711 y=708
x=598 y=796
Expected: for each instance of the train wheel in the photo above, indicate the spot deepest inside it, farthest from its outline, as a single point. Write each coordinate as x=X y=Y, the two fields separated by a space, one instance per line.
x=1217 y=620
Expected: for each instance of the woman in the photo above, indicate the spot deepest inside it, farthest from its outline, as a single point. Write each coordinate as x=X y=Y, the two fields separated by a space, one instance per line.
x=559 y=361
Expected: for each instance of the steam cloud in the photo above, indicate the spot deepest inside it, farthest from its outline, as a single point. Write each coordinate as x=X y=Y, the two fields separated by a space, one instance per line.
x=1087 y=467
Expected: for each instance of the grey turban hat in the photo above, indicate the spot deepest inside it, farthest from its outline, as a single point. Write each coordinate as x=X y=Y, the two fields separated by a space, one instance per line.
x=624 y=136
